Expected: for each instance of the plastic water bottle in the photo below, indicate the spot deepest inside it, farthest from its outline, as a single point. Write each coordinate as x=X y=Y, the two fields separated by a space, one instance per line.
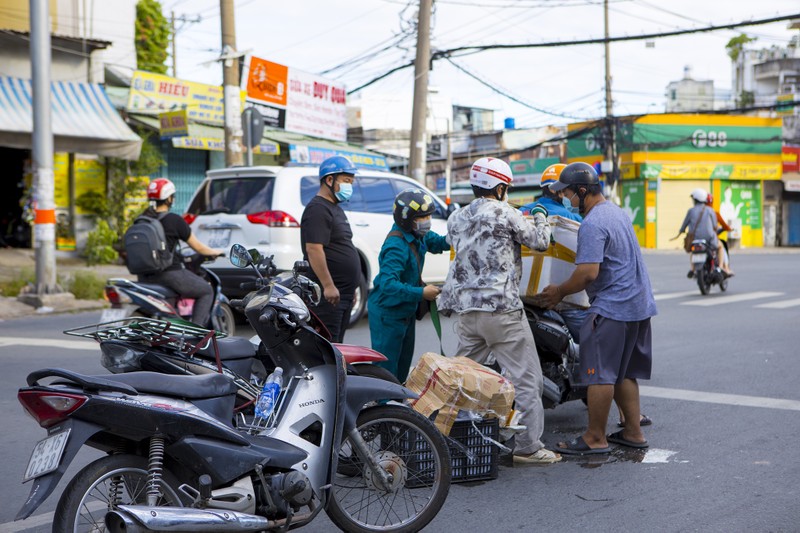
x=269 y=394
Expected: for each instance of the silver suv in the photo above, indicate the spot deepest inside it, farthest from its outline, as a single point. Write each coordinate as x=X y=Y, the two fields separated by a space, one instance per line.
x=261 y=207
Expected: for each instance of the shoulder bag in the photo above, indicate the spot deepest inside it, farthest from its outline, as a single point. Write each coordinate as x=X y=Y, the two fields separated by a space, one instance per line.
x=687 y=241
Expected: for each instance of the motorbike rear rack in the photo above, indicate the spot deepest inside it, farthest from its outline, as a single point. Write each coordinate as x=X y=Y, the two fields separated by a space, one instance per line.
x=183 y=337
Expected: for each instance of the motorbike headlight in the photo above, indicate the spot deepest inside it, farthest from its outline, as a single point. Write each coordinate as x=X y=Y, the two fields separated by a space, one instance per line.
x=294 y=303
x=119 y=358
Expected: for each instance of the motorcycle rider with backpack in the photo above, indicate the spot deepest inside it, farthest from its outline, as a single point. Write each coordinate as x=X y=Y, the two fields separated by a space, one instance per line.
x=161 y=194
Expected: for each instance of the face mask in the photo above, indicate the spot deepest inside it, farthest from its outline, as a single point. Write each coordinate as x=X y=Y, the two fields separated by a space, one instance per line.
x=568 y=204
x=421 y=228
x=345 y=192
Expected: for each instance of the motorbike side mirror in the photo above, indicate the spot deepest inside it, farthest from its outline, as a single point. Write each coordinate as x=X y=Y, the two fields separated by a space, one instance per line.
x=240 y=257
x=301 y=267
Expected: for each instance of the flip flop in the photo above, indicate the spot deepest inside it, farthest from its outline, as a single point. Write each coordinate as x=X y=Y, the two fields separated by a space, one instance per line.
x=644 y=420
x=617 y=438
x=578 y=446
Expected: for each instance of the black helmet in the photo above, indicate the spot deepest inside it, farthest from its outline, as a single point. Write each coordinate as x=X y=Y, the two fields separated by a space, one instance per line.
x=410 y=204
x=576 y=174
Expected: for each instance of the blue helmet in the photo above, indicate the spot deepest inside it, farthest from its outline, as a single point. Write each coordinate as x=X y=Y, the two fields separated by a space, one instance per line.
x=336 y=165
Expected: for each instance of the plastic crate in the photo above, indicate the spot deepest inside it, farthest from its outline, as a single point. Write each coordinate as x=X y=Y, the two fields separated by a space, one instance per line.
x=472 y=457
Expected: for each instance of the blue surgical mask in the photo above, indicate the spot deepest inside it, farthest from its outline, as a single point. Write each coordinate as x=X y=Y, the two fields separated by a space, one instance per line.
x=345 y=191
x=568 y=205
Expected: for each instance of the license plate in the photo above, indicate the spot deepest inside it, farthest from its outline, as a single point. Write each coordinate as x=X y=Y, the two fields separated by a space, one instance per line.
x=698 y=258
x=114 y=313
x=46 y=455
x=219 y=238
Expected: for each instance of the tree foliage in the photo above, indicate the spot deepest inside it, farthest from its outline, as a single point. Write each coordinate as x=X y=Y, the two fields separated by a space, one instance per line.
x=152 y=37
x=736 y=45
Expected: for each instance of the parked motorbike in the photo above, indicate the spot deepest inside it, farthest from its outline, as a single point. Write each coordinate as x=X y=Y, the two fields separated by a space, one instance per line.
x=182 y=348
x=706 y=265
x=558 y=356
x=175 y=463
x=156 y=301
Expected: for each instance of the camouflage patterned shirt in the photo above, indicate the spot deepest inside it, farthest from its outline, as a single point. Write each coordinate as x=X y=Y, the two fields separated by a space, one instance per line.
x=486 y=236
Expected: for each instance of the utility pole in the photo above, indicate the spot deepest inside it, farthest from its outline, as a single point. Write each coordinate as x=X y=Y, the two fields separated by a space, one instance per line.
x=417 y=153
x=44 y=234
x=230 y=85
x=611 y=145
x=174 y=52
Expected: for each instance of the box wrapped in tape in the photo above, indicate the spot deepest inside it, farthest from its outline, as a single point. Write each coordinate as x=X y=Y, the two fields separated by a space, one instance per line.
x=450 y=384
x=553 y=266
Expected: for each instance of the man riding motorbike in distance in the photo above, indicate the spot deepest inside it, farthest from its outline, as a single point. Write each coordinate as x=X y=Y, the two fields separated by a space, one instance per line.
x=702 y=221
x=161 y=193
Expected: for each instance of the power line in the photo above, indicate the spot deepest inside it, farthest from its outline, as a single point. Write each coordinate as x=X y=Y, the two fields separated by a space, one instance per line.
x=509 y=96
x=551 y=44
x=466 y=50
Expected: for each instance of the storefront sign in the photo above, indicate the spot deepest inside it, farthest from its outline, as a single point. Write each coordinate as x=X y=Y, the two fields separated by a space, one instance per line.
x=173 y=124
x=218 y=145
x=785 y=106
x=790 y=155
x=528 y=172
x=155 y=93
x=314 y=155
x=693 y=171
x=313 y=105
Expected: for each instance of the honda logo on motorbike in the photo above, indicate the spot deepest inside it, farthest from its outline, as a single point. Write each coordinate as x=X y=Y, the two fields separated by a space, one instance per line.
x=710 y=139
x=312 y=402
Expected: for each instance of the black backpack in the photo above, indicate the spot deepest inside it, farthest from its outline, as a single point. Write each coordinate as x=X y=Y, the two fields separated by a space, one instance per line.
x=146 y=246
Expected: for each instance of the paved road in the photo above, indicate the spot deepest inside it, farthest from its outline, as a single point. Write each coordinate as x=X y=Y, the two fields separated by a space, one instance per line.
x=724 y=398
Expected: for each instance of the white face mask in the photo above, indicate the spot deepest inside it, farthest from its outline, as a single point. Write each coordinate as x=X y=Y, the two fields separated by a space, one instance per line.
x=421 y=228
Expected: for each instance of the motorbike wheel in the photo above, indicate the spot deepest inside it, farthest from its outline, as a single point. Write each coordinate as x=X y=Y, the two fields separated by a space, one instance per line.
x=88 y=496
x=723 y=285
x=225 y=322
x=410 y=448
x=359 y=301
x=703 y=281
x=374 y=371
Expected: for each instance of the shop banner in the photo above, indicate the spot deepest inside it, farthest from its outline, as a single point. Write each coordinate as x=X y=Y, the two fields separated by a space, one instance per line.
x=155 y=93
x=173 y=124
x=694 y=171
x=528 y=172
x=218 y=145
x=790 y=155
x=691 y=139
x=587 y=144
x=313 y=105
x=314 y=155
x=633 y=204
x=740 y=207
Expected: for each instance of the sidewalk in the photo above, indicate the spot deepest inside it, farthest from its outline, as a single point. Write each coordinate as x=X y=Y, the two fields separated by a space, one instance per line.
x=14 y=260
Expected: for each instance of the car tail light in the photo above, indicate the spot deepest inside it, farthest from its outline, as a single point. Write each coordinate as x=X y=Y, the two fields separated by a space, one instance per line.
x=189 y=218
x=48 y=407
x=273 y=219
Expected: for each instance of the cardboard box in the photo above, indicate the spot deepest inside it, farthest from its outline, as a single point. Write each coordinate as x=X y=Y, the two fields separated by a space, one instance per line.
x=449 y=384
x=553 y=266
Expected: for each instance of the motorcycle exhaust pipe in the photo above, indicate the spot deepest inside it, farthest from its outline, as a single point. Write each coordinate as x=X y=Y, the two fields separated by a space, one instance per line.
x=551 y=391
x=144 y=519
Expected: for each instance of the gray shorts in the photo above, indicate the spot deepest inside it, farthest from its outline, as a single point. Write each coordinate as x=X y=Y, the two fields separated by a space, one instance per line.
x=611 y=351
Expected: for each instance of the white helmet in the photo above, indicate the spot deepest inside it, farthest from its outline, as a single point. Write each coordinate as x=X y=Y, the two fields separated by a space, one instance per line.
x=700 y=195
x=488 y=172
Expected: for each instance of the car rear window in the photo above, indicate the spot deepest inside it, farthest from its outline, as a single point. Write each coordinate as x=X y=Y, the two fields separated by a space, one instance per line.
x=239 y=196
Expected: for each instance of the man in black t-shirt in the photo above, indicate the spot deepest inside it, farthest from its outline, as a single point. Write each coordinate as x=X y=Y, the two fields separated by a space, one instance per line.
x=327 y=242
x=161 y=193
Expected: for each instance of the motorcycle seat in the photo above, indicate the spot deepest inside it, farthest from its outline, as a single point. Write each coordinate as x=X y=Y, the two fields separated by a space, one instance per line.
x=166 y=292
x=230 y=348
x=188 y=387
